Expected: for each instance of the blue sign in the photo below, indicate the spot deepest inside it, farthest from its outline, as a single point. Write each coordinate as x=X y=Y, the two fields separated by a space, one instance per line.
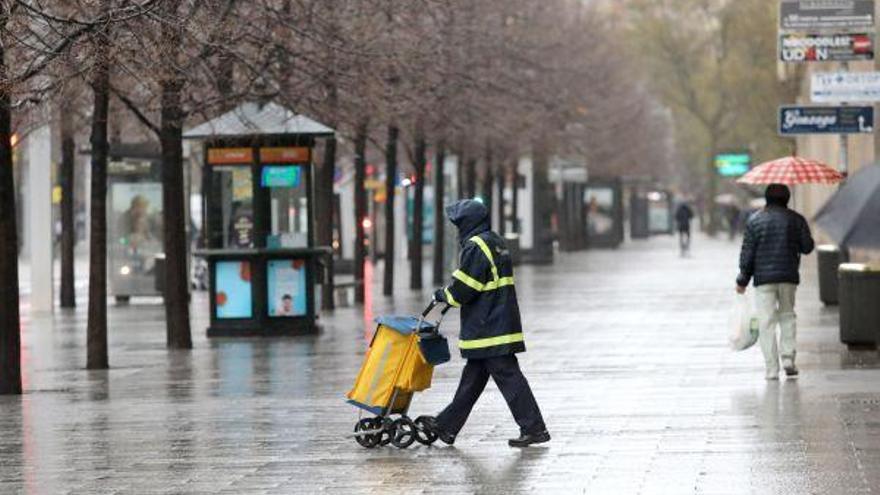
x=281 y=176
x=825 y=120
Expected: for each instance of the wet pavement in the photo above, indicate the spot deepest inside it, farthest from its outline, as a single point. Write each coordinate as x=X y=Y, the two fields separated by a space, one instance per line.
x=626 y=354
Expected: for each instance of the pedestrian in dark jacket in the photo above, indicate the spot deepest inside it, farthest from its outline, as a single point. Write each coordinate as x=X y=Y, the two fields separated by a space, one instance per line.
x=491 y=332
x=774 y=240
x=683 y=216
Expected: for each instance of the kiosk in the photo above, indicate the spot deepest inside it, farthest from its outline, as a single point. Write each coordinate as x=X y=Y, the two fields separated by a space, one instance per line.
x=259 y=198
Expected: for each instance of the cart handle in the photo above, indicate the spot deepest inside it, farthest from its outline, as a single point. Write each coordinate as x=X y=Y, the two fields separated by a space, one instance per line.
x=432 y=305
x=427 y=310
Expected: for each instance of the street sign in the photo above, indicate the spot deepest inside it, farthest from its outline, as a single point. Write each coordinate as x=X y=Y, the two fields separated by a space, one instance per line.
x=732 y=164
x=826 y=47
x=812 y=15
x=837 y=87
x=825 y=120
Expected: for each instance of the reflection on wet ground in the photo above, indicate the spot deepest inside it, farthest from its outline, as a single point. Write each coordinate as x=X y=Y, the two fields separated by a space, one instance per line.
x=626 y=355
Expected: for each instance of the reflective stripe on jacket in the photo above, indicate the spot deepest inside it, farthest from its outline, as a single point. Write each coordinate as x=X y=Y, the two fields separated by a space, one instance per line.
x=483 y=287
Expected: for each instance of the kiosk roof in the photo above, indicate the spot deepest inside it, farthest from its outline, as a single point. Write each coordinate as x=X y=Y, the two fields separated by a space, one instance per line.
x=253 y=119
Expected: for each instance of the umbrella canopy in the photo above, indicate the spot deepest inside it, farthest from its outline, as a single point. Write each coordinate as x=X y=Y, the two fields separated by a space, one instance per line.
x=792 y=170
x=852 y=216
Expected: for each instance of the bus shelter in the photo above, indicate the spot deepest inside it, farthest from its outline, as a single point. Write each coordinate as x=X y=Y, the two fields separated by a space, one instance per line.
x=603 y=212
x=258 y=220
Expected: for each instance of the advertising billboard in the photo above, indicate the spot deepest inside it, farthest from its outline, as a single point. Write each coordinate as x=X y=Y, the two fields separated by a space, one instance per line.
x=826 y=47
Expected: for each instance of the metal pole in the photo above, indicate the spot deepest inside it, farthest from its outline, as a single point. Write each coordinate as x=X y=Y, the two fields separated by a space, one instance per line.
x=843 y=166
x=844 y=138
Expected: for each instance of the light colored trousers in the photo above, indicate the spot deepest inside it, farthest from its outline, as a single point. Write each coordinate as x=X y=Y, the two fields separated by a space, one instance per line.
x=774 y=303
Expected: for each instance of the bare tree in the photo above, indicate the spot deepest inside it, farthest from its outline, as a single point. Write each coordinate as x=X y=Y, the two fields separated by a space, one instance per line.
x=97 y=356
x=10 y=346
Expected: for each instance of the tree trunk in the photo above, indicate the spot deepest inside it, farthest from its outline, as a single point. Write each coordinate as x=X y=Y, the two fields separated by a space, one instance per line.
x=415 y=253
x=390 y=184
x=485 y=190
x=514 y=201
x=712 y=226
x=10 y=329
x=459 y=174
x=178 y=332
x=326 y=200
x=471 y=172
x=324 y=204
x=360 y=207
x=225 y=80
x=67 y=175
x=97 y=323
x=542 y=206
x=498 y=189
x=488 y=191
x=439 y=217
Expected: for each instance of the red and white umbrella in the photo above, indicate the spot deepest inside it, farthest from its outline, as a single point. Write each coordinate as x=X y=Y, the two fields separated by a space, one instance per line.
x=792 y=170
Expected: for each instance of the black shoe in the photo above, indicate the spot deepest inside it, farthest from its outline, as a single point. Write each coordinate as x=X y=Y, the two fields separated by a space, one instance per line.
x=791 y=370
x=525 y=440
x=431 y=425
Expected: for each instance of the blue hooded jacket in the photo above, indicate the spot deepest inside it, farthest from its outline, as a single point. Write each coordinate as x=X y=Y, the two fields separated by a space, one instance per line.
x=483 y=286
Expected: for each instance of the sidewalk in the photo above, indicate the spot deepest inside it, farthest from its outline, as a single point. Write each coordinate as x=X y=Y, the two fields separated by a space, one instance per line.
x=626 y=354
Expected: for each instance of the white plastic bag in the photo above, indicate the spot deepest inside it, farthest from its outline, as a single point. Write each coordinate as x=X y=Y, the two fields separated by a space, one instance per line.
x=743 y=324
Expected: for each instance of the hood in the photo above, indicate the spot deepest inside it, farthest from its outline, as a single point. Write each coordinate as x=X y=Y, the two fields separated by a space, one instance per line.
x=470 y=216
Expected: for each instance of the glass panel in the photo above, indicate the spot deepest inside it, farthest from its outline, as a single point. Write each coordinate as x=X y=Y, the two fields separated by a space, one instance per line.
x=289 y=206
x=134 y=225
x=600 y=210
x=233 y=291
x=287 y=287
x=235 y=187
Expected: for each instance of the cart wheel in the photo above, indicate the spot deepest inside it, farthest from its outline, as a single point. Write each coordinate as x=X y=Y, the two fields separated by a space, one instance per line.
x=369 y=440
x=404 y=433
x=387 y=434
x=423 y=434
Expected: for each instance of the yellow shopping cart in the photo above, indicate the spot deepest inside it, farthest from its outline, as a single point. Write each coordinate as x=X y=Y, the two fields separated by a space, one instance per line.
x=399 y=362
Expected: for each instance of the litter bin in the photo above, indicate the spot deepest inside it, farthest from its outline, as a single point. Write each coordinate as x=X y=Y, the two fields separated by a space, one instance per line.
x=159 y=272
x=859 y=291
x=828 y=256
x=512 y=241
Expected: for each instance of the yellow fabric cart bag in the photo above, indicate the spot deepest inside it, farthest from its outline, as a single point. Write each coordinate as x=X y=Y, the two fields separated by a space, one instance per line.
x=393 y=363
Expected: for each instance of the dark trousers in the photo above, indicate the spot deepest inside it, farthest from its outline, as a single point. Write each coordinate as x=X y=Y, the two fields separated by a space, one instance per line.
x=513 y=385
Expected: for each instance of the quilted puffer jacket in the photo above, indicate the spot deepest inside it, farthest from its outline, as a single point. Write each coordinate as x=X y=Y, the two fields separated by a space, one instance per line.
x=775 y=238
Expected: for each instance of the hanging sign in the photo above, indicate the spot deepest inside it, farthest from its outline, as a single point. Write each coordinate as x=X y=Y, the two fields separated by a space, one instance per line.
x=813 y=15
x=230 y=156
x=839 y=87
x=826 y=47
x=825 y=120
x=732 y=164
x=285 y=155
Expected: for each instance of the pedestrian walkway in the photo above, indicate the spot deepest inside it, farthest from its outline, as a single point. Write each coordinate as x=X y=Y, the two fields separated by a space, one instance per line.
x=626 y=354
